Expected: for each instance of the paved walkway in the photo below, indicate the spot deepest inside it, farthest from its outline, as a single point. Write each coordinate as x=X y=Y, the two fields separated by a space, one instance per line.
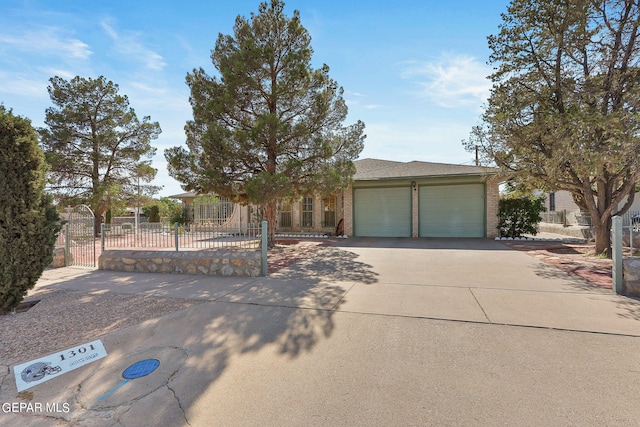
x=367 y=332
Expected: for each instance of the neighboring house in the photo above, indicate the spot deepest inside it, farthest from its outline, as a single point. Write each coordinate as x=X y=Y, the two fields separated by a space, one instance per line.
x=561 y=209
x=395 y=199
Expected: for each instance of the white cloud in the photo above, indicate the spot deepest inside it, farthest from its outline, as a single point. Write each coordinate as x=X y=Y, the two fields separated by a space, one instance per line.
x=354 y=99
x=109 y=30
x=48 y=41
x=15 y=84
x=451 y=80
x=65 y=74
x=150 y=90
x=127 y=43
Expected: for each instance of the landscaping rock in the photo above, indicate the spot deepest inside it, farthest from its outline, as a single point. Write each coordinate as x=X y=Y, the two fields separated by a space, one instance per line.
x=223 y=262
x=631 y=276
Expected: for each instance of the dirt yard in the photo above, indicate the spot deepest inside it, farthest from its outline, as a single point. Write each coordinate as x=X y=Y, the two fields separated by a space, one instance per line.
x=578 y=259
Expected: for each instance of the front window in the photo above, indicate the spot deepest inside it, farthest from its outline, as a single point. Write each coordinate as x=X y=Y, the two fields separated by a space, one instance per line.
x=329 y=211
x=285 y=215
x=307 y=212
x=211 y=209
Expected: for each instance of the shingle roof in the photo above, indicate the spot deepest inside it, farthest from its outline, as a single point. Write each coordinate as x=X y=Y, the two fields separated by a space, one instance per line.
x=373 y=169
x=183 y=195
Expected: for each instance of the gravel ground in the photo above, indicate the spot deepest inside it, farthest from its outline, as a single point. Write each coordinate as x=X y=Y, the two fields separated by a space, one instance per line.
x=64 y=318
x=577 y=259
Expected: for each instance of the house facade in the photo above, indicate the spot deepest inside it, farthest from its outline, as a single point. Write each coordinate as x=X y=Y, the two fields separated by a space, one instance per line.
x=394 y=199
x=421 y=199
x=561 y=209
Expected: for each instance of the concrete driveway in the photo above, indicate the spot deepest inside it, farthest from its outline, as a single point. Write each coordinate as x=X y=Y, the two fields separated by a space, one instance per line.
x=368 y=332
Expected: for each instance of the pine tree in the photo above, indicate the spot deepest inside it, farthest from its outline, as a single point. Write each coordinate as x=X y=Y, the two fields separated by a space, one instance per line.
x=270 y=128
x=563 y=111
x=98 y=150
x=29 y=222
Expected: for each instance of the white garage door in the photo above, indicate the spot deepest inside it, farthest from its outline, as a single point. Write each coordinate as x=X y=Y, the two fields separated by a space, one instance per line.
x=382 y=212
x=452 y=210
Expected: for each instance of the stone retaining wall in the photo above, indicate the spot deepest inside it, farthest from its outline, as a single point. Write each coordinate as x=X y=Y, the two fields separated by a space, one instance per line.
x=217 y=262
x=59 y=258
x=631 y=276
x=578 y=231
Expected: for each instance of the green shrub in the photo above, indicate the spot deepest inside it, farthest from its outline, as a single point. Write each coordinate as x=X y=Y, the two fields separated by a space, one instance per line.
x=29 y=223
x=154 y=214
x=520 y=215
x=181 y=215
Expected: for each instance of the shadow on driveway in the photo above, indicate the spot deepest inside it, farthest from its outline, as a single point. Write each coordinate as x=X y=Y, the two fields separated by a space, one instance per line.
x=421 y=243
x=330 y=263
x=231 y=317
x=251 y=319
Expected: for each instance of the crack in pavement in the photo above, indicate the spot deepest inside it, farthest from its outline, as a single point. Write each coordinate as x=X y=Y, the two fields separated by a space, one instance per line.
x=480 y=305
x=184 y=414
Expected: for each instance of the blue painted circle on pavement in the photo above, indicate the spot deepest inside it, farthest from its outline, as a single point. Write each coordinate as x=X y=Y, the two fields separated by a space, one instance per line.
x=140 y=369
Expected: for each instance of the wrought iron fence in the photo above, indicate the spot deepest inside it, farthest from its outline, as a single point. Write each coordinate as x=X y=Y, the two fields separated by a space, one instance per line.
x=61 y=239
x=567 y=218
x=554 y=217
x=631 y=219
x=217 y=211
x=178 y=237
x=630 y=236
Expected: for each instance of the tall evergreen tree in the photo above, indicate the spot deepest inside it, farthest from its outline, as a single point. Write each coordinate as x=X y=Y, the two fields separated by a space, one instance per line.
x=563 y=111
x=97 y=147
x=29 y=222
x=270 y=127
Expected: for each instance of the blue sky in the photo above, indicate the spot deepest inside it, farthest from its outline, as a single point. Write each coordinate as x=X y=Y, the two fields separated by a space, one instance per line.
x=413 y=71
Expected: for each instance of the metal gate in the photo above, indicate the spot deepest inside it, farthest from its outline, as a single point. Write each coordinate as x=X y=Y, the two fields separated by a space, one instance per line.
x=80 y=242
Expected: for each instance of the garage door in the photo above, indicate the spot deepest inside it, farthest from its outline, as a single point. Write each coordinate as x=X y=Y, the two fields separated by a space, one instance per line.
x=452 y=211
x=382 y=212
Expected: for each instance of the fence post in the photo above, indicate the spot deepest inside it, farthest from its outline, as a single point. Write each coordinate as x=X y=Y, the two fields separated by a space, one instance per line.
x=67 y=246
x=263 y=249
x=616 y=255
x=175 y=232
x=101 y=238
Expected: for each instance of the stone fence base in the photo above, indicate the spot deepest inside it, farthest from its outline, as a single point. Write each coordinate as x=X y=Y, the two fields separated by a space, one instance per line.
x=577 y=231
x=217 y=262
x=631 y=277
x=59 y=258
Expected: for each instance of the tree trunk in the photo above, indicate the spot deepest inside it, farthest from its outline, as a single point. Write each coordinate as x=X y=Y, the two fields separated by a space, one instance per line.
x=603 y=235
x=97 y=221
x=270 y=210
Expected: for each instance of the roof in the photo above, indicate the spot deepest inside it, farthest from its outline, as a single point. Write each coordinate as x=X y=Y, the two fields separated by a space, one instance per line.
x=373 y=169
x=183 y=196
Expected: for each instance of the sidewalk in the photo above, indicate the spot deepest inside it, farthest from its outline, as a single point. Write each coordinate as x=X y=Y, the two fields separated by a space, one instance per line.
x=394 y=332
